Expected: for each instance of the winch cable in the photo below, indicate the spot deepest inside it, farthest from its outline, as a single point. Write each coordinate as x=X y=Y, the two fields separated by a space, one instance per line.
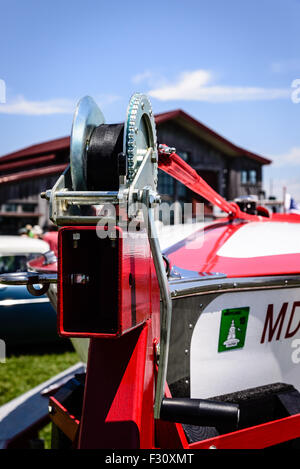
x=175 y=166
x=102 y=165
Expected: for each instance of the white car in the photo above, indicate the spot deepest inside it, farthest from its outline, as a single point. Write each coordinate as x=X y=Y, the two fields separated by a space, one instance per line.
x=15 y=251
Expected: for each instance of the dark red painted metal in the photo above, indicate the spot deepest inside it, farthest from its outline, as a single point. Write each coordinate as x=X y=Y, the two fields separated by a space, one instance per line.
x=61 y=417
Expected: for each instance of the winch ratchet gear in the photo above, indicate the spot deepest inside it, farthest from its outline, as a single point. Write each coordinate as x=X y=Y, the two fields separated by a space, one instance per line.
x=139 y=134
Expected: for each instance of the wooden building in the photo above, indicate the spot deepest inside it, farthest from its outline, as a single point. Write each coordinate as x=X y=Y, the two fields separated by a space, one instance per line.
x=230 y=170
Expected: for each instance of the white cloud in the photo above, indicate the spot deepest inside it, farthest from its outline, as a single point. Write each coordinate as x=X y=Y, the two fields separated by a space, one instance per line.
x=105 y=99
x=153 y=79
x=195 y=86
x=144 y=76
x=23 y=106
x=290 y=158
x=2 y=91
x=277 y=185
x=20 y=105
x=284 y=172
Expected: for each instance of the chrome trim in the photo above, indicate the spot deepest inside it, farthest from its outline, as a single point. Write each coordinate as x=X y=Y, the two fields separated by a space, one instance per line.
x=28 y=278
x=166 y=303
x=87 y=117
x=88 y=197
x=50 y=258
x=196 y=287
x=178 y=274
x=82 y=219
x=12 y=302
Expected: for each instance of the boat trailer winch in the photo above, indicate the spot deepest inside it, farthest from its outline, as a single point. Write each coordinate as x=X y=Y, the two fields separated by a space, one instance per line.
x=113 y=285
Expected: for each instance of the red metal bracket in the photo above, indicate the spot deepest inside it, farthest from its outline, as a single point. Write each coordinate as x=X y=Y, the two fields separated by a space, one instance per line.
x=257 y=437
x=176 y=167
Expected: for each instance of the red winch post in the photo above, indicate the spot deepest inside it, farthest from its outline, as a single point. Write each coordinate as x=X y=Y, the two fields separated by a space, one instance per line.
x=175 y=166
x=118 y=404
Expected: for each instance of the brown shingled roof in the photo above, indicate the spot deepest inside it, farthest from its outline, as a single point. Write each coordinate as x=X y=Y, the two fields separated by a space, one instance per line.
x=208 y=134
x=45 y=152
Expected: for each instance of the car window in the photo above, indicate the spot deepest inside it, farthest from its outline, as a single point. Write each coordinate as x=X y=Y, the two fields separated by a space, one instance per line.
x=15 y=263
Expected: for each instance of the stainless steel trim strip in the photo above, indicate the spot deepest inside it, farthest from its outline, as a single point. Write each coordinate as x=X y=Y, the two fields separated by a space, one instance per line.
x=166 y=303
x=215 y=285
x=12 y=302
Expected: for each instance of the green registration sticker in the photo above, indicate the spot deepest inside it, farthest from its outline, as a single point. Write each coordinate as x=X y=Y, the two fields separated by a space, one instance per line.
x=233 y=328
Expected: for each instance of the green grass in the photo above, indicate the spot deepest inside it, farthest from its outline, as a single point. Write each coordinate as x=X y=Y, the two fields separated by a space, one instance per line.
x=28 y=367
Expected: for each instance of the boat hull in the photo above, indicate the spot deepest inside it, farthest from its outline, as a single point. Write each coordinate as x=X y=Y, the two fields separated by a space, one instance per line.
x=233 y=335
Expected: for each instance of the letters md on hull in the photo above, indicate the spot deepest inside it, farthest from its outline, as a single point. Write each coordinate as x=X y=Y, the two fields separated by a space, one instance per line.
x=256 y=350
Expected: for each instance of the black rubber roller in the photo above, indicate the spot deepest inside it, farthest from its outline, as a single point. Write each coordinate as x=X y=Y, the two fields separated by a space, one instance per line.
x=104 y=158
x=200 y=412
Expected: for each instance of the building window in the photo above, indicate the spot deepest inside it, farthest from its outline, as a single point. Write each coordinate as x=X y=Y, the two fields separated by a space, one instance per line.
x=252 y=176
x=184 y=155
x=28 y=207
x=244 y=177
x=9 y=208
x=181 y=191
x=249 y=177
x=165 y=184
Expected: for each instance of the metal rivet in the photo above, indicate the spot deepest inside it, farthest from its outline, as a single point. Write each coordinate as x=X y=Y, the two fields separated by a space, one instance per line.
x=191 y=326
x=212 y=447
x=186 y=351
x=51 y=410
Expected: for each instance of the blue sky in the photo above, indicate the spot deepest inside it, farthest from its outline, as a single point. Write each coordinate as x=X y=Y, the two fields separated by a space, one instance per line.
x=230 y=64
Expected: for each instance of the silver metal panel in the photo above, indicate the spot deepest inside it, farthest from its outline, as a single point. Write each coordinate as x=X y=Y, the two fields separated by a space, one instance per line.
x=183 y=288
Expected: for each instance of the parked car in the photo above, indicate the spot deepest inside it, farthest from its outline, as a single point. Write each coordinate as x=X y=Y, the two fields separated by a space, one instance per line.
x=24 y=319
